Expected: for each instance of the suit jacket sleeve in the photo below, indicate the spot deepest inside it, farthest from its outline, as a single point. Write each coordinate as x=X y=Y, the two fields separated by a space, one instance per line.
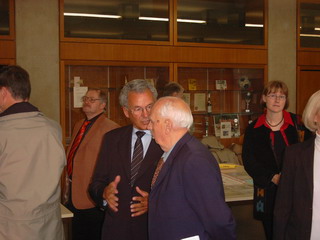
x=284 y=196
x=204 y=192
x=100 y=177
x=253 y=164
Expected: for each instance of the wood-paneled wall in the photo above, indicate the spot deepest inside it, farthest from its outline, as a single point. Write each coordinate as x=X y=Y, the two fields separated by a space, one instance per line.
x=155 y=53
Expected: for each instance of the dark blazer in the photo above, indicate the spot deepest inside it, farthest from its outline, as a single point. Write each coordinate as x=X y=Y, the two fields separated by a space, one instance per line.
x=293 y=209
x=188 y=197
x=115 y=159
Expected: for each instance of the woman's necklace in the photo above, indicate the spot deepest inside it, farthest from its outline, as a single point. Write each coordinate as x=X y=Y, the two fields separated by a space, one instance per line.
x=276 y=125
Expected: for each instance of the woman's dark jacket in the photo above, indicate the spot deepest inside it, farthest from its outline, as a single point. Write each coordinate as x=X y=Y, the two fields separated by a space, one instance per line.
x=258 y=154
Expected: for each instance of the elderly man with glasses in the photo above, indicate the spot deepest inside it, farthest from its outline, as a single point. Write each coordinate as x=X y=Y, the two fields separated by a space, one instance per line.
x=127 y=161
x=82 y=155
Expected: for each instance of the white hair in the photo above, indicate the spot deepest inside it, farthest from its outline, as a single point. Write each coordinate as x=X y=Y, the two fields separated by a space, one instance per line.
x=181 y=117
x=310 y=111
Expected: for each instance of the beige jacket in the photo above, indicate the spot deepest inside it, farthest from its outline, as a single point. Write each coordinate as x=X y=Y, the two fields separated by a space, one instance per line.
x=31 y=161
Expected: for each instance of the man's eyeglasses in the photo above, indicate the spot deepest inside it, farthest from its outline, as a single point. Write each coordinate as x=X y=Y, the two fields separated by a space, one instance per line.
x=280 y=97
x=139 y=110
x=89 y=99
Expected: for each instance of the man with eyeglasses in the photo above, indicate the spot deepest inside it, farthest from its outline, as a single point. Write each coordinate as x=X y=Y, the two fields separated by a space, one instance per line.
x=122 y=180
x=82 y=155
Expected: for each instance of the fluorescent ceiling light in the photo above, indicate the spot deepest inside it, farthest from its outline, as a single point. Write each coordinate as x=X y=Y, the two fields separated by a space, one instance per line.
x=317 y=29
x=91 y=15
x=166 y=20
x=154 y=19
x=309 y=35
x=190 y=21
x=253 y=25
x=140 y=18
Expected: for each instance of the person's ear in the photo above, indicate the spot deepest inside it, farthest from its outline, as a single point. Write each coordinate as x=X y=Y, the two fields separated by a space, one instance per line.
x=126 y=111
x=3 y=91
x=168 y=125
x=264 y=98
x=103 y=106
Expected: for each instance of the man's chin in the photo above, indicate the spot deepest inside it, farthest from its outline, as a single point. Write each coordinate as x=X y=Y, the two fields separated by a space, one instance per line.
x=143 y=127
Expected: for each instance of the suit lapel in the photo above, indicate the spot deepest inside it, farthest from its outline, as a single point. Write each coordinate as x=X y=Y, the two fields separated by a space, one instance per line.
x=170 y=160
x=92 y=131
x=124 y=150
x=74 y=134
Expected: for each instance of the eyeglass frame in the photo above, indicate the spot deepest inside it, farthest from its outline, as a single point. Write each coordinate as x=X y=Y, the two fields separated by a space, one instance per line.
x=275 y=96
x=138 y=110
x=89 y=99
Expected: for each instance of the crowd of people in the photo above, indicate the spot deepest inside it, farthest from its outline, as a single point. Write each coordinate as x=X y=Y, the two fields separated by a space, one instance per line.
x=151 y=179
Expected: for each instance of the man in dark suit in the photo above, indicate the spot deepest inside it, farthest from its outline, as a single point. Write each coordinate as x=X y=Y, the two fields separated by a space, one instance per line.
x=82 y=155
x=187 y=198
x=120 y=184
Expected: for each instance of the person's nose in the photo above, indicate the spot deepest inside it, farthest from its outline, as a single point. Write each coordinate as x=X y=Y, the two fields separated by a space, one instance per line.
x=145 y=113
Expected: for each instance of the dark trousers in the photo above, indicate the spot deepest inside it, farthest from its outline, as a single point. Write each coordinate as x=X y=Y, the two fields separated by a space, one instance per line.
x=268 y=228
x=86 y=223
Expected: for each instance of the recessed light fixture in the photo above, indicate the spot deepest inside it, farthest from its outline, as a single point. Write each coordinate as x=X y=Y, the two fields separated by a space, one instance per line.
x=253 y=25
x=309 y=35
x=140 y=18
x=91 y=15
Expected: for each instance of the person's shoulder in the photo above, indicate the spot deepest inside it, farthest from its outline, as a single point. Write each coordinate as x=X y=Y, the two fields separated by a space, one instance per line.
x=301 y=145
x=119 y=132
x=189 y=145
x=108 y=122
x=52 y=123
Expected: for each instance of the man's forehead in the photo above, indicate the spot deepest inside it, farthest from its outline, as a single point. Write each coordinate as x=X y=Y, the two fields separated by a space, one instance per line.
x=142 y=99
x=92 y=92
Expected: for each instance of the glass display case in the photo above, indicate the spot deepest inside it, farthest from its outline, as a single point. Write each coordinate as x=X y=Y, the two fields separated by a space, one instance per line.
x=188 y=21
x=310 y=25
x=110 y=78
x=217 y=21
x=4 y=17
x=117 y=19
x=223 y=100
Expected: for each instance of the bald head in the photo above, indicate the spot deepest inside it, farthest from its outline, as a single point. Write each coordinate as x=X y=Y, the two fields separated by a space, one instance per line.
x=170 y=119
x=176 y=110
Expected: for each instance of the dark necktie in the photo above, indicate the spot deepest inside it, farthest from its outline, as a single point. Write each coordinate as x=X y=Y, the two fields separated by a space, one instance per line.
x=157 y=171
x=137 y=156
x=74 y=147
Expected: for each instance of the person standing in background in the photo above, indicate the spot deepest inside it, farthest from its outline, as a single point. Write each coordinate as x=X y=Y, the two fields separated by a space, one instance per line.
x=187 y=197
x=173 y=89
x=82 y=155
x=297 y=208
x=127 y=161
x=32 y=158
x=265 y=141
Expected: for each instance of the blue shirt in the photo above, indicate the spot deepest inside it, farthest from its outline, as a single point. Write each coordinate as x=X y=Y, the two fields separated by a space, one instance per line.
x=146 y=139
